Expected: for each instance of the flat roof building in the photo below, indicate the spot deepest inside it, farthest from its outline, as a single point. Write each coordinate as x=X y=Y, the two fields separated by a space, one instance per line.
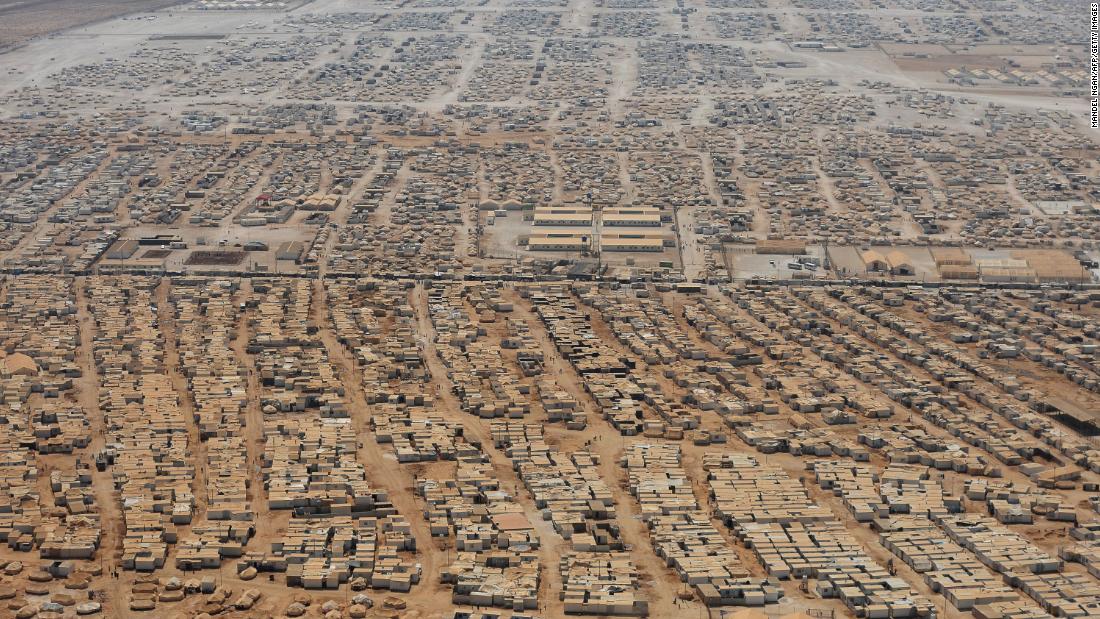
x=559 y=242
x=562 y=216
x=631 y=244
x=632 y=217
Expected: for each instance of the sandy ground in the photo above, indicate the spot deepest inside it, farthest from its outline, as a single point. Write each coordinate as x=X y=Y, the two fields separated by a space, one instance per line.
x=21 y=21
x=91 y=30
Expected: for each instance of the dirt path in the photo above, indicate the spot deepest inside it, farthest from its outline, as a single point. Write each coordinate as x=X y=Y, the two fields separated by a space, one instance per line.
x=692 y=256
x=107 y=502
x=43 y=225
x=252 y=427
x=624 y=76
x=166 y=319
x=606 y=442
x=344 y=211
x=552 y=545
x=382 y=471
x=470 y=62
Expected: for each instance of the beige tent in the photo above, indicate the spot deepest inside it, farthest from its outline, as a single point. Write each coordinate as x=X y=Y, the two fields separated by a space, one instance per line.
x=874 y=261
x=900 y=264
x=18 y=364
